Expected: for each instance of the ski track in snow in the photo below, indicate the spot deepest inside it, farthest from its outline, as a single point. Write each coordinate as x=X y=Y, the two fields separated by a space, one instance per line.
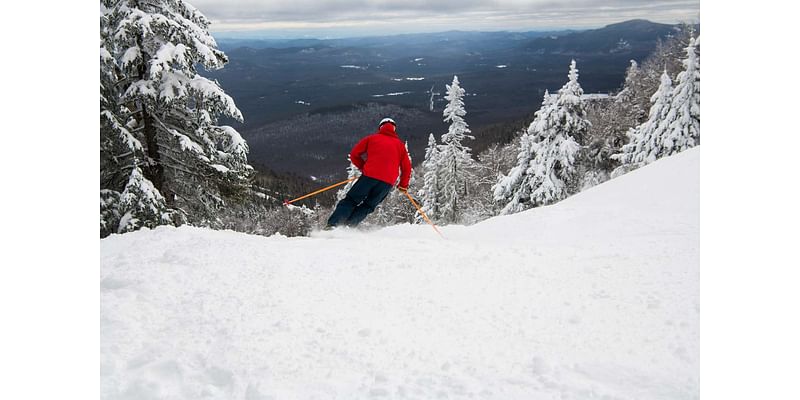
x=593 y=298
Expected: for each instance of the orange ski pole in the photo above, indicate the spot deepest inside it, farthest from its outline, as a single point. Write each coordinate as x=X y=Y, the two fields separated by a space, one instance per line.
x=287 y=202
x=423 y=214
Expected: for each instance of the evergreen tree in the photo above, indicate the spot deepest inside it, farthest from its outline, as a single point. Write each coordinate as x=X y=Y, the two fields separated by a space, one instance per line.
x=430 y=193
x=553 y=171
x=514 y=190
x=546 y=170
x=574 y=123
x=455 y=160
x=572 y=119
x=157 y=109
x=645 y=145
x=683 y=118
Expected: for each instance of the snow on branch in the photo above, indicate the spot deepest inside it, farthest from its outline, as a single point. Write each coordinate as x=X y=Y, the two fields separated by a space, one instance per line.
x=140 y=88
x=172 y=86
x=233 y=142
x=131 y=56
x=105 y=55
x=165 y=56
x=209 y=90
x=124 y=134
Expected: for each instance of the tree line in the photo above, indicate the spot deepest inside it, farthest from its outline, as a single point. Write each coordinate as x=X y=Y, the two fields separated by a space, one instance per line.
x=573 y=143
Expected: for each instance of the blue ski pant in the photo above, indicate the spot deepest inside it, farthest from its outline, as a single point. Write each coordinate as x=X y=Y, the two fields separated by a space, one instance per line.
x=360 y=201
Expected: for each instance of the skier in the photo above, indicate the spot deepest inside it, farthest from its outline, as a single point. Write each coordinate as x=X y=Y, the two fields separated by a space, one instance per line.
x=387 y=158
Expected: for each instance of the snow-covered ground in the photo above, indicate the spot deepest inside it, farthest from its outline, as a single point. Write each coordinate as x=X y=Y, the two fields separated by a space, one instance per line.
x=593 y=298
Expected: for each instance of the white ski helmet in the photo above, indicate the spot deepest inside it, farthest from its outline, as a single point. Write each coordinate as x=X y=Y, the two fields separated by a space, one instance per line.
x=387 y=121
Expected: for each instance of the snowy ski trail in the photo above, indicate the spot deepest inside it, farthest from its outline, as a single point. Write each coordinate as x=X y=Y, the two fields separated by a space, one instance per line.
x=594 y=297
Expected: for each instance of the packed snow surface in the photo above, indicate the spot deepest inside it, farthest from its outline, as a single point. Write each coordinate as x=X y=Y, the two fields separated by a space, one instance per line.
x=595 y=297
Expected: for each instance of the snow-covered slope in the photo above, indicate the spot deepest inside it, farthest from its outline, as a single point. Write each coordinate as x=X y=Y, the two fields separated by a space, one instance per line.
x=594 y=297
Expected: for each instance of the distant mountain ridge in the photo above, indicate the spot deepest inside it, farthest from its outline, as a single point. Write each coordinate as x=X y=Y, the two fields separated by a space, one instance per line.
x=639 y=30
x=278 y=82
x=630 y=35
x=383 y=40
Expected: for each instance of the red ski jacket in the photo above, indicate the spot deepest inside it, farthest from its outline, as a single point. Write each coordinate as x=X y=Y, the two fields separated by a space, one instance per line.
x=386 y=157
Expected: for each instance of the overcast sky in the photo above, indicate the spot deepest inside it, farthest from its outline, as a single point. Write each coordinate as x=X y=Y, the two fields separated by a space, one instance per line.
x=373 y=17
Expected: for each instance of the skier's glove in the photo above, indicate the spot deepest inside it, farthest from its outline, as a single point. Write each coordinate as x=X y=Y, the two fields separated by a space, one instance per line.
x=402 y=189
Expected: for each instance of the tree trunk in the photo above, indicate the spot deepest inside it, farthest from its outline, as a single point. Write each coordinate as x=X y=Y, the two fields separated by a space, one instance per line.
x=154 y=168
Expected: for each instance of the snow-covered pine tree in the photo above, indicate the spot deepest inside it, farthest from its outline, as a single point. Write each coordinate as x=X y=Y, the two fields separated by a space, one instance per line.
x=429 y=195
x=571 y=108
x=120 y=152
x=645 y=145
x=157 y=109
x=574 y=123
x=553 y=171
x=683 y=118
x=455 y=160
x=513 y=191
x=553 y=139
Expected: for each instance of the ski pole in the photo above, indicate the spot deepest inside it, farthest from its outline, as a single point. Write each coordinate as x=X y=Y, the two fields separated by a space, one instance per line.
x=287 y=202
x=423 y=214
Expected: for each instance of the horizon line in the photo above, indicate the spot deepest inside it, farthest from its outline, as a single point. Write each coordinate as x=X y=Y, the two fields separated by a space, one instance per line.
x=287 y=34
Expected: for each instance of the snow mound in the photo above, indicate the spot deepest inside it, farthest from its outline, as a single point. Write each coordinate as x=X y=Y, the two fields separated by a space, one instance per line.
x=594 y=297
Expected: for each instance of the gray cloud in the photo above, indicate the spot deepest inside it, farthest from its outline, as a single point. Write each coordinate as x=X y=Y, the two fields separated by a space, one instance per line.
x=425 y=15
